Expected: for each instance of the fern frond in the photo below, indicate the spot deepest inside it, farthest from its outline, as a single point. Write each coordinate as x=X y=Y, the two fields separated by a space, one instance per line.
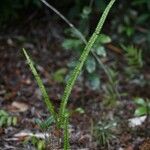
x=81 y=61
x=41 y=86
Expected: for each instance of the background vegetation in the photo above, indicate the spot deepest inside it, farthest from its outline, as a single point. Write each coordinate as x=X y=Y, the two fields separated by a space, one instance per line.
x=112 y=88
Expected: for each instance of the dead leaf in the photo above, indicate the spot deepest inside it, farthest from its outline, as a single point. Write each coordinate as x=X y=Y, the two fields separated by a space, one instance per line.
x=25 y=134
x=137 y=121
x=19 y=107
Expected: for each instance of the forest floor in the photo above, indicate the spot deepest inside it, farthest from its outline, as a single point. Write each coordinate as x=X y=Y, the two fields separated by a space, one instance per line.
x=20 y=96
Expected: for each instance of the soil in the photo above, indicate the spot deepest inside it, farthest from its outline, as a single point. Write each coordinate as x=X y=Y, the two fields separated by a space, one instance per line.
x=43 y=43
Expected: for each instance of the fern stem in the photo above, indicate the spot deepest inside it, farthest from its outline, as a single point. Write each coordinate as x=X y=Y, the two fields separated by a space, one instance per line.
x=66 y=133
x=81 y=61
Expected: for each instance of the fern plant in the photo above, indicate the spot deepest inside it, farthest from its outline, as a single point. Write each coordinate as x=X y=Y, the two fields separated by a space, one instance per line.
x=47 y=101
x=60 y=117
x=7 y=120
x=38 y=143
x=111 y=90
x=103 y=132
x=134 y=60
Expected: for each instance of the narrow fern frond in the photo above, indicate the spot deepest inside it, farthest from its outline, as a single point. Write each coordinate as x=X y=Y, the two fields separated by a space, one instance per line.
x=80 y=63
x=41 y=86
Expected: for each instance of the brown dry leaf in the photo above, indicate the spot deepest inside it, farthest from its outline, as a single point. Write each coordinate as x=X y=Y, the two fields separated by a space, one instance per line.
x=19 y=107
x=26 y=133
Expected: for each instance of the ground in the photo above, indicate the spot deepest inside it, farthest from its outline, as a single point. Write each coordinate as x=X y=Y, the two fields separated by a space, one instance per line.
x=20 y=96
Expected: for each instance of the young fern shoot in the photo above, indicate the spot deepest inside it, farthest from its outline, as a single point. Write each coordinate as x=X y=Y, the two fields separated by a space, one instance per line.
x=80 y=63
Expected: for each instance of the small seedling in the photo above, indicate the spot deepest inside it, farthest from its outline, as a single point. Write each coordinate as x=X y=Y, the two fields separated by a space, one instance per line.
x=111 y=92
x=143 y=107
x=134 y=60
x=7 y=120
x=103 y=132
x=44 y=125
x=38 y=143
x=59 y=75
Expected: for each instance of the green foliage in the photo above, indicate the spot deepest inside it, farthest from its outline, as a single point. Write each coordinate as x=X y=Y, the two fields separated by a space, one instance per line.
x=134 y=56
x=134 y=60
x=47 y=101
x=90 y=64
x=44 y=125
x=103 y=132
x=66 y=132
x=111 y=92
x=76 y=44
x=103 y=39
x=143 y=107
x=94 y=81
x=6 y=120
x=81 y=62
x=80 y=110
x=59 y=75
x=62 y=119
x=38 y=143
x=127 y=26
x=71 y=44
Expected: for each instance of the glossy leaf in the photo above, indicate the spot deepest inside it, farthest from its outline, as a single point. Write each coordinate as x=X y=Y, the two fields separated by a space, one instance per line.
x=90 y=65
x=140 y=111
x=100 y=51
x=140 y=101
x=94 y=81
x=104 y=39
x=71 y=44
